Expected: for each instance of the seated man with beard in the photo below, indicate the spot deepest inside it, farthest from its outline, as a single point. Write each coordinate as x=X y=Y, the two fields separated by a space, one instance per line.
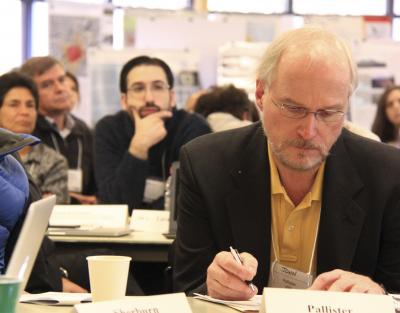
x=308 y=203
x=134 y=148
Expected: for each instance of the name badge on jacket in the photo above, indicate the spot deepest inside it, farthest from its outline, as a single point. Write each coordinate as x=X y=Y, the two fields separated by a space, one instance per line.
x=285 y=277
x=75 y=178
x=153 y=190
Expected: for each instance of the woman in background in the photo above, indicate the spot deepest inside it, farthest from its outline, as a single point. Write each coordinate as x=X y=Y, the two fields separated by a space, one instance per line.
x=387 y=120
x=18 y=113
x=225 y=107
x=73 y=86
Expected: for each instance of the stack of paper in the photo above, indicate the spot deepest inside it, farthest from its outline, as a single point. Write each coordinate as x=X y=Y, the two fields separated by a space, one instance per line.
x=396 y=298
x=250 y=305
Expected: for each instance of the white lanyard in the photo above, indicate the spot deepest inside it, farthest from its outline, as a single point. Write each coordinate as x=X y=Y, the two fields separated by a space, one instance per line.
x=313 y=251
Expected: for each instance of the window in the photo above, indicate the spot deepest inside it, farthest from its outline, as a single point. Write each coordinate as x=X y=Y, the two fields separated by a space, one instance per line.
x=396 y=7
x=396 y=29
x=40 y=29
x=248 y=6
x=340 y=7
x=154 y=4
x=84 y=1
x=10 y=35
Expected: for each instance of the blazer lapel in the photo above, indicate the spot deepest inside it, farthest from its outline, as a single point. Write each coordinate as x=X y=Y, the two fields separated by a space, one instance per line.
x=249 y=205
x=341 y=217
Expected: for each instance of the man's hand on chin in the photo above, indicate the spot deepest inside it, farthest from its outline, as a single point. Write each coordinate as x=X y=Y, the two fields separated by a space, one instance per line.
x=149 y=131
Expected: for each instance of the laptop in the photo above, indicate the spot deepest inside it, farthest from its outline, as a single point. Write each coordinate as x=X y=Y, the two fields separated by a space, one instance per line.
x=89 y=231
x=30 y=239
x=174 y=193
x=89 y=220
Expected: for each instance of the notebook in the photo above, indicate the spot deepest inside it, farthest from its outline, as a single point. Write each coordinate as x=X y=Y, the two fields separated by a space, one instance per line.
x=30 y=239
x=96 y=231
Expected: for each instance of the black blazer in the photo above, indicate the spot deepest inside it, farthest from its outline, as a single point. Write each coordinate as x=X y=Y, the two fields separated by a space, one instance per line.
x=225 y=200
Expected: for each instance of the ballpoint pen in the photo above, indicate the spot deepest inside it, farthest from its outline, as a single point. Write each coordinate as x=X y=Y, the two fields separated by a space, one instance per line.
x=236 y=256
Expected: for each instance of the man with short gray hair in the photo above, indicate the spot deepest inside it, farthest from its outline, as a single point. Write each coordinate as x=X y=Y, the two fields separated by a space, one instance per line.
x=60 y=130
x=297 y=193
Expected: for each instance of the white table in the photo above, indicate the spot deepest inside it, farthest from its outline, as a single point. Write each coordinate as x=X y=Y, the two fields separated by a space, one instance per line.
x=141 y=246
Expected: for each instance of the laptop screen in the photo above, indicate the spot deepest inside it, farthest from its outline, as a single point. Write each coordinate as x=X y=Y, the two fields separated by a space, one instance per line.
x=30 y=239
x=173 y=203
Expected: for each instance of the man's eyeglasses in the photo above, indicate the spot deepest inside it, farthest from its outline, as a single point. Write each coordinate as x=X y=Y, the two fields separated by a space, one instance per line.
x=138 y=90
x=296 y=112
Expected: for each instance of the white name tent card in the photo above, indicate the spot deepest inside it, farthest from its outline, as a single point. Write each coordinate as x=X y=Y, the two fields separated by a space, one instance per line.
x=278 y=300
x=105 y=215
x=168 y=303
x=153 y=221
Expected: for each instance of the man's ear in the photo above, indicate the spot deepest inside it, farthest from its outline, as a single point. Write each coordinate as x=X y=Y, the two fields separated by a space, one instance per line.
x=260 y=91
x=172 y=98
x=123 y=101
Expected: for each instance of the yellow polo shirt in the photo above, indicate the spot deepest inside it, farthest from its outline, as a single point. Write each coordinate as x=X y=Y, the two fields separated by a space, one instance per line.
x=294 y=228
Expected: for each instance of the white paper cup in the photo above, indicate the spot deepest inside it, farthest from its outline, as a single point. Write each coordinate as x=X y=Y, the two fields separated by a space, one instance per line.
x=108 y=276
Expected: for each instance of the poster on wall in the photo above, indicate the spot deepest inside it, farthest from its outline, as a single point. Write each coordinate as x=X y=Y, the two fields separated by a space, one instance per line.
x=70 y=37
x=377 y=27
x=348 y=27
x=74 y=28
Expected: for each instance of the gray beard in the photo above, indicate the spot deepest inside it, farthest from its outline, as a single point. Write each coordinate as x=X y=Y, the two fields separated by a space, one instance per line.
x=300 y=143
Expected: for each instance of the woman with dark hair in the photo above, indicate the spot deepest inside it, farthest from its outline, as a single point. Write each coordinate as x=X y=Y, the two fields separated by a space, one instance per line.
x=72 y=84
x=387 y=120
x=18 y=113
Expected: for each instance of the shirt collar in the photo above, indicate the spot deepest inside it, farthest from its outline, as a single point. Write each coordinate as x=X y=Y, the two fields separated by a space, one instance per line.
x=68 y=126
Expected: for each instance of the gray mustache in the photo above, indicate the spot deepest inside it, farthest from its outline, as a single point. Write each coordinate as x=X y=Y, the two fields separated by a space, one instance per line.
x=301 y=143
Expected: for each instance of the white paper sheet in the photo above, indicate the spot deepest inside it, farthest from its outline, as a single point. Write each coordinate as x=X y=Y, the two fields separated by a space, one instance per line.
x=250 y=305
x=56 y=298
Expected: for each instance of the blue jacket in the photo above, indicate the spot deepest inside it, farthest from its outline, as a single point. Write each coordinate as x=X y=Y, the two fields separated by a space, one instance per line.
x=14 y=187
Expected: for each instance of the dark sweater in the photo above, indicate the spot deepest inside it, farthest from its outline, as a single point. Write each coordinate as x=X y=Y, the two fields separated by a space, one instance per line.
x=120 y=176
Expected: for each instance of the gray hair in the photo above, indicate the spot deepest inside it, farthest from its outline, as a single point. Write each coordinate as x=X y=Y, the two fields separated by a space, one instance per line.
x=38 y=65
x=316 y=42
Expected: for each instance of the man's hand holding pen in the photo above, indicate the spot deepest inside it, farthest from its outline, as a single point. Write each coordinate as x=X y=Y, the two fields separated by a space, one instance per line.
x=228 y=279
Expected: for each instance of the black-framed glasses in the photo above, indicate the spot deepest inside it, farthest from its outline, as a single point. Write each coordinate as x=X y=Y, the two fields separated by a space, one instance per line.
x=297 y=112
x=157 y=88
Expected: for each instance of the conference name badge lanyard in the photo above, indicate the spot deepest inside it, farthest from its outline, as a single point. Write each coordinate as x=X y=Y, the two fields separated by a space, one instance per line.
x=155 y=188
x=75 y=176
x=282 y=276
